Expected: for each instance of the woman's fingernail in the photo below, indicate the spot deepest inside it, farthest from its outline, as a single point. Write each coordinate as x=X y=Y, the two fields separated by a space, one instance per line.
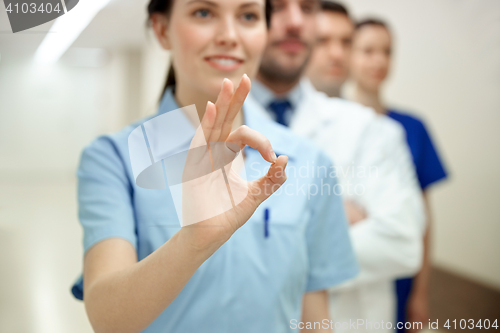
x=273 y=156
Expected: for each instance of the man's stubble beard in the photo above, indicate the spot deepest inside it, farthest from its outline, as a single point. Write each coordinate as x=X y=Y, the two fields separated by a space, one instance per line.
x=272 y=71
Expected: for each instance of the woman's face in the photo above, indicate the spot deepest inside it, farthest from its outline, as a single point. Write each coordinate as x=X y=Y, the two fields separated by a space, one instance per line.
x=371 y=56
x=215 y=39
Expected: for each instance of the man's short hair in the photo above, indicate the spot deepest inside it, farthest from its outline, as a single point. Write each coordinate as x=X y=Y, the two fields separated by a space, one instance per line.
x=334 y=7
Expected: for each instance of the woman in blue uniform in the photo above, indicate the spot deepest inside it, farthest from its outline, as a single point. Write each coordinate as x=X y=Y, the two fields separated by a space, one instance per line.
x=370 y=63
x=261 y=266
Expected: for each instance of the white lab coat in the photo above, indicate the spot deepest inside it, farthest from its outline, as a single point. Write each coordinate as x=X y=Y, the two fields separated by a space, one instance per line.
x=389 y=242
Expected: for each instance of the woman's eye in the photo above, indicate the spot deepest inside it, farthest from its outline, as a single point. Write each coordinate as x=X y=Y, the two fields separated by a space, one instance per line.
x=250 y=17
x=202 y=13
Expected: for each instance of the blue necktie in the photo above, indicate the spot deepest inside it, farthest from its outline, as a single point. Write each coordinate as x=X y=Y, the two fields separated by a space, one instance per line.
x=279 y=108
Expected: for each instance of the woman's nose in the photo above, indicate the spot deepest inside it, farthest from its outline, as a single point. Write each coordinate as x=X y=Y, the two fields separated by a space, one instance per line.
x=226 y=34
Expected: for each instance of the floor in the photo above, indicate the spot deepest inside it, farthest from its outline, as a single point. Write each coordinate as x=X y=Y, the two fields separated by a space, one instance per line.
x=40 y=256
x=455 y=297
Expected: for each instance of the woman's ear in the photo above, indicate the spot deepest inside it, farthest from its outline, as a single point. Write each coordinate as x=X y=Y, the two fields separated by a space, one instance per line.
x=160 y=27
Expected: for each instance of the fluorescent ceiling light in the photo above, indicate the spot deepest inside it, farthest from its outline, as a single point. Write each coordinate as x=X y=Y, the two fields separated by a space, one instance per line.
x=66 y=30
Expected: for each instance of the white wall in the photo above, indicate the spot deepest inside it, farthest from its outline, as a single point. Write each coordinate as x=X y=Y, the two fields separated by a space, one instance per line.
x=447 y=69
x=47 y=114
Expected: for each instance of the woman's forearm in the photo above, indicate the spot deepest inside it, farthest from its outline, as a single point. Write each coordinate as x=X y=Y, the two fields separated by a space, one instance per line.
x=315 y=310
x=421 y=281
x=130 y=299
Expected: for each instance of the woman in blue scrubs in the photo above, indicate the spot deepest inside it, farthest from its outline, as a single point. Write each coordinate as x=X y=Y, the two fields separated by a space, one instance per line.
x=370 y=63
x=262 y=266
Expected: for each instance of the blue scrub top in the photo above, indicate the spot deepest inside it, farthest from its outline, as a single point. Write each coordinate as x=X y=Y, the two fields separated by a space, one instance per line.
x=428 y=165
x=253 y=283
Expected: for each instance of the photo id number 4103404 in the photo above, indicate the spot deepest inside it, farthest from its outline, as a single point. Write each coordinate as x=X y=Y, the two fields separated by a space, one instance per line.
x=26 y=8
x=469 y=324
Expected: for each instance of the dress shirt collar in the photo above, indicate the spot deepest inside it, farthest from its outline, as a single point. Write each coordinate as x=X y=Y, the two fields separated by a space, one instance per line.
x=264 y=96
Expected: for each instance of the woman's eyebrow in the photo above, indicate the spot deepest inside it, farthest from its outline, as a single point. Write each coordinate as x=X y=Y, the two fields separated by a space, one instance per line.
x=215 y=4
x=207 y=2
x=250 y=4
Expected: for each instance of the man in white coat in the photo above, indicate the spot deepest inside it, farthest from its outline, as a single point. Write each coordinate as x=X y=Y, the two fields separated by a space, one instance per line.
x=373 y=165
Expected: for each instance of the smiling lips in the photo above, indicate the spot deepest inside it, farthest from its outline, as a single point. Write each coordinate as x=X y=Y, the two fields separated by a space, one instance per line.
x=224 y=62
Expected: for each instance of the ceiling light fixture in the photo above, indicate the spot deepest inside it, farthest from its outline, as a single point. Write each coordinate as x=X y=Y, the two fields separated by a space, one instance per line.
x=66 y=30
